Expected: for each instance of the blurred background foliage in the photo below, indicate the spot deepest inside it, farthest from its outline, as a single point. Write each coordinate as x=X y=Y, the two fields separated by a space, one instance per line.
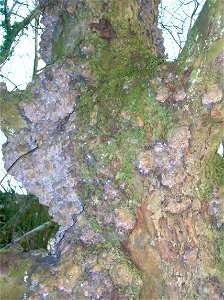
x=19 y=214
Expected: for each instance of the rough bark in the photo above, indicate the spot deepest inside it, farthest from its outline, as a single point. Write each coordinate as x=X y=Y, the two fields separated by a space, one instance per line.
x=126 y=157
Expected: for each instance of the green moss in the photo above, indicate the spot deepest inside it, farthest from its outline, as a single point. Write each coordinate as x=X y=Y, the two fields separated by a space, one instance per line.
x=94 y=225
x=214 y=50
x=12 y=120
x=112 y=12
x=111 y=74
x=11 y=289
x=214 y=165
x=16 y=266
x=212 y=175
x=19 y=271
x=58 y=47
x=212 y=1
x=193 y=36
x=117 y=108
x=118 y=114
x=194 y=75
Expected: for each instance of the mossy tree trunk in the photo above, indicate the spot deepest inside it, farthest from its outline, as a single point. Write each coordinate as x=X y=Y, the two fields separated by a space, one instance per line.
x=125 y=152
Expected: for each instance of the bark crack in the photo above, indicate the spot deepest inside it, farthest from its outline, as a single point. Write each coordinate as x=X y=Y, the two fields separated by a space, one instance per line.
x=15 y=162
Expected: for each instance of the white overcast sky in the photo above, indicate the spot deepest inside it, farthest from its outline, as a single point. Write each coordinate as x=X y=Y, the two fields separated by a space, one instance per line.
x=19 y=68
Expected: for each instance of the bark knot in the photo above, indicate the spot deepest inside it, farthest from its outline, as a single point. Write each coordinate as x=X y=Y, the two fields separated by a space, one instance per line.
x=105 y=29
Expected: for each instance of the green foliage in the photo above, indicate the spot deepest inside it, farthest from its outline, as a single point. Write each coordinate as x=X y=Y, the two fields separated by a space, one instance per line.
x=19 y=215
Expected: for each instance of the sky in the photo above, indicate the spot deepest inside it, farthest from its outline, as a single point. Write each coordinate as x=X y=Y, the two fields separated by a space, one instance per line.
x=175 y=18
x=9 y=182
x=19 y=68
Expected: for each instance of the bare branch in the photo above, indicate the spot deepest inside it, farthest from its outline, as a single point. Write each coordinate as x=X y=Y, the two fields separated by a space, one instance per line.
x=31 y=233
x=177 y=19
x=13 y=32
x=7 y=20
x=36 y=38
x=12 y=8
x=6 y=78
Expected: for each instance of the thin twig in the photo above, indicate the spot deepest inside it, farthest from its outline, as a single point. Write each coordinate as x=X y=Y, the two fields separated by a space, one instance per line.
x=13 y=31
x=36 y=44
x=32 y=150
x=30 y=233
x=9 y=80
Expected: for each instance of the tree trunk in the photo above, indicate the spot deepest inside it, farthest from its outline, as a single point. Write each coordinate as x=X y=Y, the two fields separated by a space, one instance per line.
x=125 y=153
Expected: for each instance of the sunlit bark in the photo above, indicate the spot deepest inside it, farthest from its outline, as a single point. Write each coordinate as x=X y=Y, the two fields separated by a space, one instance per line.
x=126 y=157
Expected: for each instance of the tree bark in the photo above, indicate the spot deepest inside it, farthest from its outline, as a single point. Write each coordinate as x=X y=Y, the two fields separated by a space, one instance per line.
x=126 y=157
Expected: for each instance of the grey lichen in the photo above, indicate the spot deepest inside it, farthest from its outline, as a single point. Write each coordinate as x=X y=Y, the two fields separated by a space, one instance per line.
x=51 y=121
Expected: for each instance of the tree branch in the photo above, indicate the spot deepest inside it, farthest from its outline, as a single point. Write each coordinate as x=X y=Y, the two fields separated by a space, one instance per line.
x=31 y=233
x=12 y=32
x=35 y=65
x=7 y=23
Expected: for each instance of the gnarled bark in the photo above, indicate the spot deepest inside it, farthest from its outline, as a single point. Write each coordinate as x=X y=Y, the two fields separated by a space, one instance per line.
x=126 y=157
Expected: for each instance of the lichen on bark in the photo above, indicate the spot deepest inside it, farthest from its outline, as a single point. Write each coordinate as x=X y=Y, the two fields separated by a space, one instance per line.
x=125 y=159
